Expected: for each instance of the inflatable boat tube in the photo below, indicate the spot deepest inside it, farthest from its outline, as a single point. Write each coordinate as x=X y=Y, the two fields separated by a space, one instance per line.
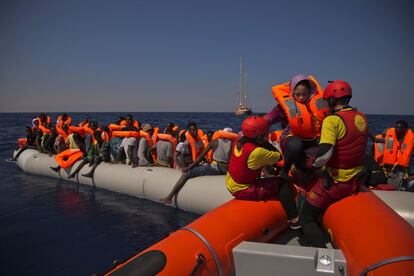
x=199 y=195
x=205 y=245
x=370 y=233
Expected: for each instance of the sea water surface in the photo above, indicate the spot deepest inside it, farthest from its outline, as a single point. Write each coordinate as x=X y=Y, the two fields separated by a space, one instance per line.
x=54 y=227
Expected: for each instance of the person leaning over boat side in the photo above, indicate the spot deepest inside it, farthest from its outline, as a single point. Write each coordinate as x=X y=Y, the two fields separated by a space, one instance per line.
x=221 y=147
x=339 y=162
x=67 y=158
x=393 y=151
x=250 y=154
x=30 y=142
x=301 y=109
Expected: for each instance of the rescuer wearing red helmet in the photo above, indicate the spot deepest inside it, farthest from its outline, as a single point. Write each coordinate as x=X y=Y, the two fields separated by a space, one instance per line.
x=339 y=162
x=249 y=155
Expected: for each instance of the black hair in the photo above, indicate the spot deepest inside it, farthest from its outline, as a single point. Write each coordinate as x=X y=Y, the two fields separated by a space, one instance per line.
x=304 y=83
x=183 y=137
x=28 y=128
x=128 y=115
x=343 y=101
x=403 y=123
x=190 y=124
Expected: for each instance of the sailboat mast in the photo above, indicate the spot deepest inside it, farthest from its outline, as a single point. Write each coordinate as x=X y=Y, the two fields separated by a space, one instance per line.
x=245 y=90
x=241 y=81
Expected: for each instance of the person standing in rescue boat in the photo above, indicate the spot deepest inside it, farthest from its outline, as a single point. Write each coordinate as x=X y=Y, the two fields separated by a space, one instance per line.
x=300 y=110
x=339 y=162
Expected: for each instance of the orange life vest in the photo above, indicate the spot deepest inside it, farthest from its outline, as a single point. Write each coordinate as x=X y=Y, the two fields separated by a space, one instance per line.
x=22 y=142
x=135 y=123
x=169 y=138
x=41 y=123
x=305 y=120
x=59 y=121
x=396 y=153
x=195 y=151
x=379 y=150
x=68 y=157
x=44 y=129
x=62 y=133
x=78 y=130
x=125 y=134
x=275 y=137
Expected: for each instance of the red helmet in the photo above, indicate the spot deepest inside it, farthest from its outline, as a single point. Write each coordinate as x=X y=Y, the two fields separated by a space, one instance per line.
x=337 y=89
x=254 y=126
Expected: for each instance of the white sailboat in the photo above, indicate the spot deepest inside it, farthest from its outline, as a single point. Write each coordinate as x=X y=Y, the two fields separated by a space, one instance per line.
x=242 y=109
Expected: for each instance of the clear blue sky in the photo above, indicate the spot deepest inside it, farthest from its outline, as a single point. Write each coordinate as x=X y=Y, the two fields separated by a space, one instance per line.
x=79 y=55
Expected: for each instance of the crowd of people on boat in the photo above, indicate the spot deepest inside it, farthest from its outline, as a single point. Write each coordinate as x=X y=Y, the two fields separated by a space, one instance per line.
x=320 y=151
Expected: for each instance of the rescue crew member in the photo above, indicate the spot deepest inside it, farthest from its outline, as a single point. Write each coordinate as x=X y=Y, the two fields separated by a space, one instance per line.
x=301 y=109
x=250 y=154
x=339 y=162
x=393 y=151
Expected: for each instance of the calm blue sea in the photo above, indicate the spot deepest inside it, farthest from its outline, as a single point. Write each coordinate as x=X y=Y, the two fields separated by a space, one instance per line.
x=53 y=227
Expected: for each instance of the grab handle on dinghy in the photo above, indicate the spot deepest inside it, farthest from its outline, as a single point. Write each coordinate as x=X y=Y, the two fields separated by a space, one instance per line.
x=209 y=247
x=385 y=262
x=200 y=259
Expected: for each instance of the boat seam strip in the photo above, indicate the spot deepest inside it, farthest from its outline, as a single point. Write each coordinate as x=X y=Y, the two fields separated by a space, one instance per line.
x=210 y=248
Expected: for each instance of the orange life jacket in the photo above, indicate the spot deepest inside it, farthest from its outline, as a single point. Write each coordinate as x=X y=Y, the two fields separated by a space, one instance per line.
x=114 y=127
x=195 y=151
x=22 y=142
x=275 y=137
x=125 y=134
x=68 y=157
x=209 y=155
x=396 y=153
x=78 y=130
x=169 y=138
x=135 y=123
x=379 y=150
x=305 y=120
x=44 y=129
x=43 y=123
x=62 y=132
x=59 y=121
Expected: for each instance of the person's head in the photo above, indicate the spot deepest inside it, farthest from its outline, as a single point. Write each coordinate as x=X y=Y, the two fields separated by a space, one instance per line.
x=170 y=125
x=42 y=117
x=28 y=131
x=255 y=129
x=338 y=94
x=119 y=120
x=64 y=116
x=93 y=125
x=401 y=128
x=301 y=88
x=192 y=129
x=148 y=128
x=36 y=123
